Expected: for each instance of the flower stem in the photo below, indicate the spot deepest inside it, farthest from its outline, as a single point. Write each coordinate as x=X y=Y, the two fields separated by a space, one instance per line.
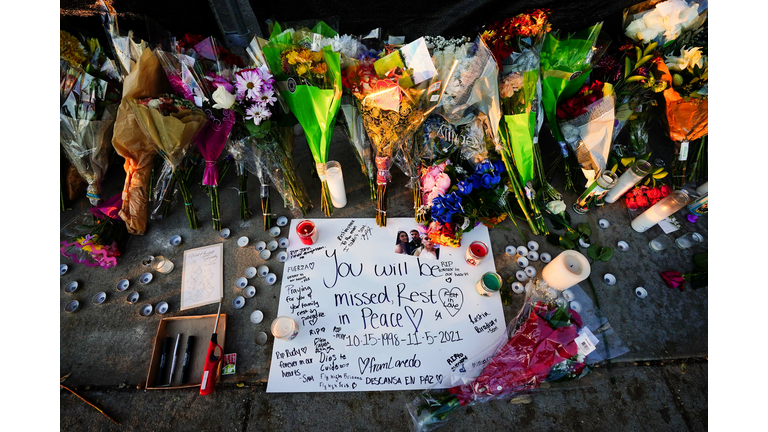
x=325 y=200
x=245 y=211
x=188 y=206
x=381 y=205
x=517 y=191
x=215 y=210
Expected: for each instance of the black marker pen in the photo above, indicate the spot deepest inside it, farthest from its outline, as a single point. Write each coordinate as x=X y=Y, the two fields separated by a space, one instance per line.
x=185 y=365
x=161 y=368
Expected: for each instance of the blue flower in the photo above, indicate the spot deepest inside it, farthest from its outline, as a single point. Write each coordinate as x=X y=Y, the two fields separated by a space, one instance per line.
x=491 y=180
x=465 y=187
x=498 y=166
x=483 y=167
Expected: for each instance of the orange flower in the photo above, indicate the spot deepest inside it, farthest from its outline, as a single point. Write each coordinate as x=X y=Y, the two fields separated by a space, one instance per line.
x=320 y=69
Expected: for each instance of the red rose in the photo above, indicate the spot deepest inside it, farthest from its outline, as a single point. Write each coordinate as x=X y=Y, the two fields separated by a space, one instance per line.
x=641 y=201
x=629 y=194
x=653 y=194
x=665 y=190
x=631 y=204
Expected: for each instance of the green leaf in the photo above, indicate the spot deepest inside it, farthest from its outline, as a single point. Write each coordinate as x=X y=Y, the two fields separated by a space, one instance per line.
x=649 y=49
x=700 y=260
x=599 y=253
x=584 y=229
x=627 y=66
x=567 y=244
x=572 y=235
x=643 y=61
x=553 y=239
x=699 y=281
x=615 y=167
x=593 y=251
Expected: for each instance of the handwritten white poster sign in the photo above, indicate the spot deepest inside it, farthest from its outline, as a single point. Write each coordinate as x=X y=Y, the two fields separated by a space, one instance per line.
x=202 y=279
x=373 y=315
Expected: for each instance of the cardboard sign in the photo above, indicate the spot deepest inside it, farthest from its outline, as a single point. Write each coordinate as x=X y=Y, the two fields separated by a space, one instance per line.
x=377 y=310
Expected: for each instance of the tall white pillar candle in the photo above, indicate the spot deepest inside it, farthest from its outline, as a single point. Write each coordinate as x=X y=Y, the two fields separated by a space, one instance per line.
x=335 y=179
x=630 y=178
x=659 y=211
x=566 y=270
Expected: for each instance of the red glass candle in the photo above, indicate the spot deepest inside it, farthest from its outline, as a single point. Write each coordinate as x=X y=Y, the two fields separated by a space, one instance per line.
x=476 y=251
x=307 y=232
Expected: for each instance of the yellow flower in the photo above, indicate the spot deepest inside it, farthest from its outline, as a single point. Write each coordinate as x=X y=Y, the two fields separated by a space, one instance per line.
x=316 y=56
x=319 y=69
x=302 y=69
x=292 y=57
x=71 y=49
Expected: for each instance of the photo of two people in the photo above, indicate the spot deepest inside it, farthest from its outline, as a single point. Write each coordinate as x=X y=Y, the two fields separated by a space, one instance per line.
x=416 y=245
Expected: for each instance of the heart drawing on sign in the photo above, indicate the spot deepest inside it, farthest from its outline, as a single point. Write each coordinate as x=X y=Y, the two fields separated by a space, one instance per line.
x=415 y=316
x=452 y=299
x=449 y=280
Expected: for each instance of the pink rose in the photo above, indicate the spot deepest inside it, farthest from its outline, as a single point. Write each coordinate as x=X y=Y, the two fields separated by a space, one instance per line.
x=432 y=195
x=443 y=182
x=427 y=183
x=434 y=171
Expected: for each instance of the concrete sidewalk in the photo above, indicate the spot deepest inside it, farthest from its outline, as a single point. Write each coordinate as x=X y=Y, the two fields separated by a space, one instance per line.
x=107 y=348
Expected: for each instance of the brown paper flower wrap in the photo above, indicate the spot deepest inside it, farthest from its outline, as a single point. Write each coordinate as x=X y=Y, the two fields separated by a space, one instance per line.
x=146 y=79
x=172 y=135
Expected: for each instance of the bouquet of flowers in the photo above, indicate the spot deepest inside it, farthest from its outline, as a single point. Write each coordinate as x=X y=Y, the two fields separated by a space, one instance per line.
x=671 y=23
x=516 y=44
x=566 y=63
x=352 y=51
x=310 y=82
x=393 y=105
x=686 y=104
x=631 y=70
x=550 y=343
x=142 y=77
x=101 y=237
x=171 y=124
x=461 y=199
x=586 y=120
x=199 y=72
x=266 y=136
x=424 y=157
x=88 y=108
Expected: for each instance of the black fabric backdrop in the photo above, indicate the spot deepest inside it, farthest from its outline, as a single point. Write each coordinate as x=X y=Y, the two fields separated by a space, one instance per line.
x=407 y=18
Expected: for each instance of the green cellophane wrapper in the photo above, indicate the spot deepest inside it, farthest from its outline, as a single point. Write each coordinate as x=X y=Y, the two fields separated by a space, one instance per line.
x=565 y=66
x=315 y=108
x=519 y=127
x=86 y=144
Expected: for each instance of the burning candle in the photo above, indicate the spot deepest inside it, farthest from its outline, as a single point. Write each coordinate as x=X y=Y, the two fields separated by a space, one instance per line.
x=566 y=270
x=476 y=251
x=284 y=328
x=335 y=179
x=661 y=210
x=631 y=176
x=307 y=232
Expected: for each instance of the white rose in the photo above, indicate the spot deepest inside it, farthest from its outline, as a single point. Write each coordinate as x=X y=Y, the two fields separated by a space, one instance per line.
x=556 y=207
x=154 y=104
x=223 y=98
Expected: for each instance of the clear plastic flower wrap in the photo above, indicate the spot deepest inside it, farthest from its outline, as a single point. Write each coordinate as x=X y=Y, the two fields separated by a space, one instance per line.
x=87 y=144
x=271 y=159
x=355 y=131
x=550 y=344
